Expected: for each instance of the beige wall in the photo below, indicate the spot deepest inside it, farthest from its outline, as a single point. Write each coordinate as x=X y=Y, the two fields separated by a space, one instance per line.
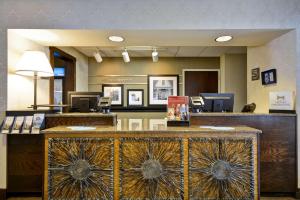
x=233 y=78
x=279 y=54
x=20 y=88
x=142 y=66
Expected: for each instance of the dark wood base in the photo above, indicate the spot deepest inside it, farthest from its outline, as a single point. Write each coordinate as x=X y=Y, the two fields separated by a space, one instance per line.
x=2 y=194
x=297 y=195
x=278 y=194
x=23 y=194
x=178 y=123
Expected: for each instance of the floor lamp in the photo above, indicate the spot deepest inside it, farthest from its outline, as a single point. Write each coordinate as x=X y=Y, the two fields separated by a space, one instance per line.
x=36 y=64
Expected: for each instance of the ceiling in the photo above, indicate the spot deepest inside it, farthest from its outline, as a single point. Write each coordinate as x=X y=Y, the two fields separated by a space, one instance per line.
x=170 y=43
x=186 y=51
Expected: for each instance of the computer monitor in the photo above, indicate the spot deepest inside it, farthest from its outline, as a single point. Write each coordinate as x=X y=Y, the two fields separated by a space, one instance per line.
x=218 y=102
x=83 y=101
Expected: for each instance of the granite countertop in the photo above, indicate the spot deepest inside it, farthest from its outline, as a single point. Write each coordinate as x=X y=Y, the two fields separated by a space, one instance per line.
x=148 y=125
x=217 y=114
x=82 y=115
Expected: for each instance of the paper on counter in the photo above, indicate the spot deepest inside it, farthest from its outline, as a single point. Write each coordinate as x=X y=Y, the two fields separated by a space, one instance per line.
x=219 y=128
x=81 y=128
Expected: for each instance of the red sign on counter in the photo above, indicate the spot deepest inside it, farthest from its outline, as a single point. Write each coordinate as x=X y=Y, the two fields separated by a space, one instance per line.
x=178 y=108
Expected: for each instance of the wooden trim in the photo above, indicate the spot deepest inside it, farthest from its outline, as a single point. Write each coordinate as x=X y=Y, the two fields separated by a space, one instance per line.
x=64 y=56
x=186 y=168
x=62 y=53
x=116 y=169
x=45 y=186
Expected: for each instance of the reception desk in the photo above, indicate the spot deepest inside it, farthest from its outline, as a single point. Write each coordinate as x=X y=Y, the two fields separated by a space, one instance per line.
x=278 y=160
x=278 y=157
x=142 y=163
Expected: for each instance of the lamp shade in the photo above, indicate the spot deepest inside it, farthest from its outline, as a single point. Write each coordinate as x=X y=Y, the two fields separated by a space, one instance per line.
x=34 y=62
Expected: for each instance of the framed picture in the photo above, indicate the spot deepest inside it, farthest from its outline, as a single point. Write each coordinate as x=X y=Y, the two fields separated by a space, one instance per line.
x=115 y=92
x=255 y=74
x=268 y=77
x=160 y=87
x=135 y=97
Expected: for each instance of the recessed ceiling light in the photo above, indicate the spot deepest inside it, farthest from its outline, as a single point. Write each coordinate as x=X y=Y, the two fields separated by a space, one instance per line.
x=223 y=38
x=115 y=38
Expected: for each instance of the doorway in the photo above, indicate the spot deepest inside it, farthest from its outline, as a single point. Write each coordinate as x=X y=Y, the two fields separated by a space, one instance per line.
x=64 y=80
x=197 y=81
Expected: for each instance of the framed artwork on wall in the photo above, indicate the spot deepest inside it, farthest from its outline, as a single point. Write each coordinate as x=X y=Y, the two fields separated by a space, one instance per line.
x=269 y=77
x=160 y=87
x=255 y=74
x=135 y=97
x=115 y=91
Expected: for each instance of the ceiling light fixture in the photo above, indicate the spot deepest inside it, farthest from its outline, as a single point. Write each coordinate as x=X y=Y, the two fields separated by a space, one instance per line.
x=98 y=57
x=155 y=56
x=125 y=55
x=223 y=38
x=115 y=38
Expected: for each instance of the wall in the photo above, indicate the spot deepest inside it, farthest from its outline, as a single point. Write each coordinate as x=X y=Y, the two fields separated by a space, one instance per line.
x=81 y=68
x=279 y=54
x=142 y=66
x=233 y=73
x=20 y=88
x=136 y=14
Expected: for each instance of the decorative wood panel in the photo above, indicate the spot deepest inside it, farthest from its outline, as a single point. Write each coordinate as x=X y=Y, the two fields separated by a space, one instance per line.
x=221 y=168
x=80 y=168
x=278 y=165
x=153 y=165
x=151 y=168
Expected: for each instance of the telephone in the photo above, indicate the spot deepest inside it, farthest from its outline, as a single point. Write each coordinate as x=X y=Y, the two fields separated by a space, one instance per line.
x=104 y=104
x=196 y=103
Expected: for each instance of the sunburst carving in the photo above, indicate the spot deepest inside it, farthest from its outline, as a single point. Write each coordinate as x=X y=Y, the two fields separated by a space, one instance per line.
x=80 y=168
x=151 y=169
x=221 y=169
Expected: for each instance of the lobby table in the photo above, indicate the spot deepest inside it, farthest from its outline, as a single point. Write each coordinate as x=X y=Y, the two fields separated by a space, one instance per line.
x=151 y=162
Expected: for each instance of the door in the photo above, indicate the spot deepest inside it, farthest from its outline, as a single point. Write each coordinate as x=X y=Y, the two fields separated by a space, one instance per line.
x=196 y=82
x=63 y=81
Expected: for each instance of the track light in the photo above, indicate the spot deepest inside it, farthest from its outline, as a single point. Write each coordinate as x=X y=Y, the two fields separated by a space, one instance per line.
x=125 y=56
x=155 y=56
x=98 y=56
